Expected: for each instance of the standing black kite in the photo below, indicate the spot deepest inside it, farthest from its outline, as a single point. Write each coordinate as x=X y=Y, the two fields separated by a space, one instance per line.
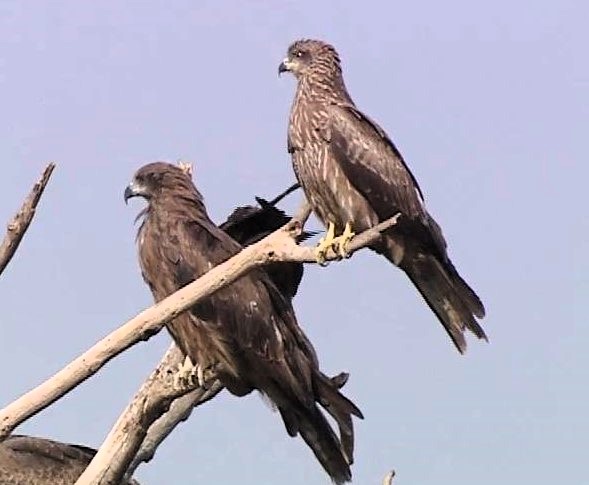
x=354 y=177
x=249 y=327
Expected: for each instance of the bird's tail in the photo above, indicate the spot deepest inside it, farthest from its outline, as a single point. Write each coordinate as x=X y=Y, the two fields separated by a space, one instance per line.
x=456 y=305
x=317 y=433
x=335 y=454
x=339 y=408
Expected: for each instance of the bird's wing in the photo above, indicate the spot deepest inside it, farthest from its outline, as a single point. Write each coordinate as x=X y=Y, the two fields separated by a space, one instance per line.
x=32 y=460
x=372 y=163
x=251 y=313
x=39 y=448
x=248 y=224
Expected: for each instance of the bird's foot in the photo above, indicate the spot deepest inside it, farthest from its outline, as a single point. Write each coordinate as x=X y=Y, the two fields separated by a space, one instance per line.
x=340 y=244
x=325 y=244
x=189 y=375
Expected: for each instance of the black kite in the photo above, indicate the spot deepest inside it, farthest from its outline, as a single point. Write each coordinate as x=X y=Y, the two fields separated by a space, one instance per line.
x=354 y=177
x=248 y=327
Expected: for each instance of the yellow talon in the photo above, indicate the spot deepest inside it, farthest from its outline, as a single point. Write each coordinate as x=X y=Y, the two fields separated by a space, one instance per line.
x=341 y=242
x=325 y=243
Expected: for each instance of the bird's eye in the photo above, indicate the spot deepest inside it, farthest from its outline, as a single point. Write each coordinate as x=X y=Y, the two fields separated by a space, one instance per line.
x=299 y=54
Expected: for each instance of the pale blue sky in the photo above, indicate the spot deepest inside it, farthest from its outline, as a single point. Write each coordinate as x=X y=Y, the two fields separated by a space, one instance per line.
x=489 y=104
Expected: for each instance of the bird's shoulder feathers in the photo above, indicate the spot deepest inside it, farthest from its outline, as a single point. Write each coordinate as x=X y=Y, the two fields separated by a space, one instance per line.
x=372 y=163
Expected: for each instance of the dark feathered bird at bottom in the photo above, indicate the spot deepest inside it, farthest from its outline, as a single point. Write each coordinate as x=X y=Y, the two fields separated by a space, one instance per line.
x=27 y=460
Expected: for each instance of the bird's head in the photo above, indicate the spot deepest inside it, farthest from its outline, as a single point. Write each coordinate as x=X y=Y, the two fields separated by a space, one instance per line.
x=308 y=56
x=154 y=179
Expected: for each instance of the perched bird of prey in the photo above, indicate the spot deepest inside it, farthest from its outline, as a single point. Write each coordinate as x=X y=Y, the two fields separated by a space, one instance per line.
x=249 y=224
x=249 y=327
x=26 y=460
x=354 y=177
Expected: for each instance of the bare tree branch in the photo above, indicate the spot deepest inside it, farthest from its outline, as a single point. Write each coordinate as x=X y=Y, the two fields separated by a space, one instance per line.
x=300 y=218
x=278 y=246
x=20 y=222
x=158 y=406
x=179 y=411
x=136 y=423
x=119 y=452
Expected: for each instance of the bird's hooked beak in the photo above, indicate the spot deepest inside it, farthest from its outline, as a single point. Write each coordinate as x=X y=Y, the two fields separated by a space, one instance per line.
x=132 y=190
x=285 y=66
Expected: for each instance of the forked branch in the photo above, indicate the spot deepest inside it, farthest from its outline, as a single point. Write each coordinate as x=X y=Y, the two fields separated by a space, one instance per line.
x=150 y=417
x=145 y=423
x=278 y=246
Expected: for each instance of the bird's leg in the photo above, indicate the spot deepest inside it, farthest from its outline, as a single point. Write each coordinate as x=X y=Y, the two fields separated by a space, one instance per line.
x=340 y=243
x=200 y=376
x=325 y=244
x=188 y=375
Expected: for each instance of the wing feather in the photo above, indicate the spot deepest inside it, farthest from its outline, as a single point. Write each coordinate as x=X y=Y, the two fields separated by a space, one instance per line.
x=372 y=163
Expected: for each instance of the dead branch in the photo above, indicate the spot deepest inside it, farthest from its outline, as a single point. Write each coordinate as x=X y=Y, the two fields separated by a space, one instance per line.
x=300 y=218
x=20 y=222
x=146 y=422
x=179 y=411
x=278 y=246
x=130 y=442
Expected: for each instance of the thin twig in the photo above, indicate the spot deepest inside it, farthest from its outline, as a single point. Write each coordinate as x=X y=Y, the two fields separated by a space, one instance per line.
x=281 y=196
x=388 y=479
x=278 y=246
x=20 y=222
x=300 y=218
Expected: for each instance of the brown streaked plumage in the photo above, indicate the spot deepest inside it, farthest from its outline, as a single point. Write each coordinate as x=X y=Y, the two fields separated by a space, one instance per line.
x=352 y=172
x=249 y=327
x=27 y=460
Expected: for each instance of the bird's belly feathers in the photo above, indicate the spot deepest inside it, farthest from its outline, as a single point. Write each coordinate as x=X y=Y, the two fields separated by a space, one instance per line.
x=330 y=193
